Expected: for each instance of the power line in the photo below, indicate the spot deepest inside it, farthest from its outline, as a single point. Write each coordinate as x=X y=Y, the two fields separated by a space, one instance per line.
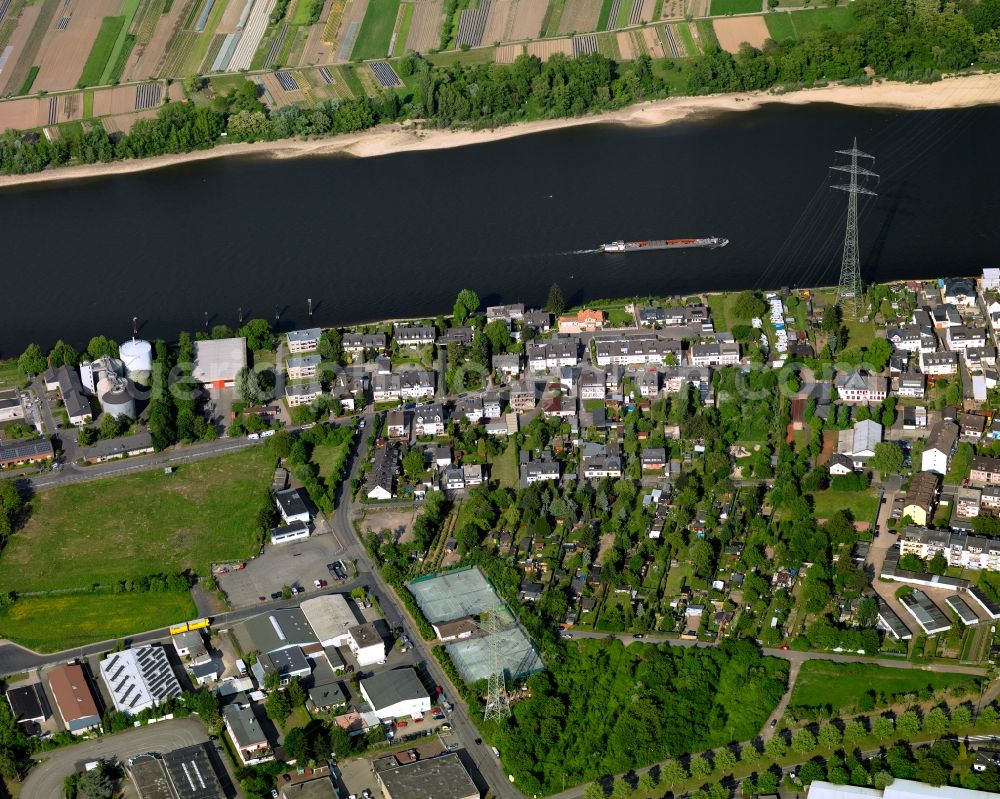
x=849 y=288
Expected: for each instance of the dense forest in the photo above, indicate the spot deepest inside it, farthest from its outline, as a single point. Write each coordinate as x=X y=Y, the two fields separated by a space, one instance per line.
x=604 y=708
x=902 y=39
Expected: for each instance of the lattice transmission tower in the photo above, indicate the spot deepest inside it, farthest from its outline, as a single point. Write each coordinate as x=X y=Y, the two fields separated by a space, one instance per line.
x=849 y=288
x=497 y=701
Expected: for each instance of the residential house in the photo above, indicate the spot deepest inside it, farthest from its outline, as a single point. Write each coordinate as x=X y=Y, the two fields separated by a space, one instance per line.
x=861 y=387
x=939 y=364
x=583 y=321
x=534 y=471
x=961 y=337
x=246 y=733
x=297 y=394
x=990 y=280
x=456 y=335
x=940 y=447
x=10 y=405
x=600 y=461
x=508 y=366
x=303 y=340
x=654 y=459
x=921 y=498
x=470 y=407
x=303 y=367
x=19 y=453
x=946 y=316
x=505 y=313
x=985 y=471
x=382 y=479
x=472 y=474
x=545 y=355
x=538 y=320
x=592 y=385
x=635 y=350
x=959 y=291
x=67 y=382
x=840 y=464
x=523 y=396
x=414 y=335
x=386 y=387
x=429 y=419
x=416 y=384
x=452 y=479
x=717 y=354
x=972 y=425
x=911 y=384
x=859 y=443
x=360 y=342
x=395 y=424
x=492 y=405
x=648 y=383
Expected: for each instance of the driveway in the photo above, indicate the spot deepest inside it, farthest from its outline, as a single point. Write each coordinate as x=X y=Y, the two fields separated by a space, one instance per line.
x=46 y=780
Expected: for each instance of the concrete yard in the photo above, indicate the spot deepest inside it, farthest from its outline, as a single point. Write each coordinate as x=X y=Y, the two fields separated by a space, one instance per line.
x=297 y=563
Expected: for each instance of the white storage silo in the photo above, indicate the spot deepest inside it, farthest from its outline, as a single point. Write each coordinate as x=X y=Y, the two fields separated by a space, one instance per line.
x=137 y=355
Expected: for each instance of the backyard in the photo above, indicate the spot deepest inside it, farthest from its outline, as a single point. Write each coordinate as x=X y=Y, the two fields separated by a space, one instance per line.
x=140 y=524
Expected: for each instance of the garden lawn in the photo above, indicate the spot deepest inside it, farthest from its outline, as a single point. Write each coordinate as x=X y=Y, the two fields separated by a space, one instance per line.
x=64 y=621
x=504 y=467
x=376 y=30
x=809 y=20
x=840 y=686
x=735 y=7
x=861 y=504
x=329 y=457
x=9 y=374
x=140 y=524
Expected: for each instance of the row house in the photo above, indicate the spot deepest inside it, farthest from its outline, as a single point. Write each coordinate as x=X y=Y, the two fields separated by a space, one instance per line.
x=592 y=385
x=414 y=335
x=717 y=354
x=297 y=394
x=985 y=471
x=396 y=424
x=861 y=387
x=545 y=355
x=505 y=313
x=968 y=502
x=359 y=342
x=960 y=549
x=457 y=478
x=634 y=350
x=921 y=498
x=303 y=367
x=303 y=340
x=523 y=396
x=981 y=357
x=416 y=384
x=648 y=383
x=939 y=364
x=429 y=420
x=989 y=497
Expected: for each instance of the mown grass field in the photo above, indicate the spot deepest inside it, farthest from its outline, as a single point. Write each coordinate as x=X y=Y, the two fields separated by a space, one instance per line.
x=9 y=374
x=605 y=16
x=64 y=621
x=138 y=524
x=403 y=30
x=735 y=7
x=328 y=457
x=862 y=505
x=796 y=24
x=122 y=44
x=104 y=44
x=376 y=30
x=841 y=685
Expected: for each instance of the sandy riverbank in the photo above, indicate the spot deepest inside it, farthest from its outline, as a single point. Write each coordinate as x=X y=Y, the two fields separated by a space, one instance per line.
x=956 y=92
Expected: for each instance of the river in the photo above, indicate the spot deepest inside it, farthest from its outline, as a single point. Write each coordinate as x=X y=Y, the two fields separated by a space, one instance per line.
x=399 y=235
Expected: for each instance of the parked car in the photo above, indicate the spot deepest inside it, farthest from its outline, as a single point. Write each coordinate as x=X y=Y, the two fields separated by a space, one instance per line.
x=320 y=583
x=297 y=589
x=276 y=595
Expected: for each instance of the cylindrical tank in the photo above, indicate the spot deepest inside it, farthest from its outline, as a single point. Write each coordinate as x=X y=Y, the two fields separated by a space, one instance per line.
x=119 y=402
x=137 y=355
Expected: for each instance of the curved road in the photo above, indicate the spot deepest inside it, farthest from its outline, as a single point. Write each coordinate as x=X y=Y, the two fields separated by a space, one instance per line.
x=45 y=781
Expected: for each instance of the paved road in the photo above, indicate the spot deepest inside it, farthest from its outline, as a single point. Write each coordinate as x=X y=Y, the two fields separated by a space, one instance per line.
x=46 y=780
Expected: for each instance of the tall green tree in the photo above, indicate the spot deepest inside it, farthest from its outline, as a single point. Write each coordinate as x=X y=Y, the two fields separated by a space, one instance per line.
x=555 y=303
x=32 y=361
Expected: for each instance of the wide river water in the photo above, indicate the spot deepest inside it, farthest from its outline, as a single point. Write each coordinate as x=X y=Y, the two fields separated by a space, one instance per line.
x=400 y=235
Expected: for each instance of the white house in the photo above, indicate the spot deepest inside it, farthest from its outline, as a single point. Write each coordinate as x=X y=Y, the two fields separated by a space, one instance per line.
x=941 y=444
x=396 y=693
x=366 y=644
x=291 y=507
x=858 y=386
x=428 y=420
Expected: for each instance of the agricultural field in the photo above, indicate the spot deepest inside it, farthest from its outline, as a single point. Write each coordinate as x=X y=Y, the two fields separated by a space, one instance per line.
x=425 y=26
x=150 y=52
x=376 y=30
x=548 y=47
x=580 y=16
x=734 y=31
x=840 y=686
x=786 y=25
x=66 y=621
x=24 y=43
x=721 y=7
x=401 y=32
x=139 y=524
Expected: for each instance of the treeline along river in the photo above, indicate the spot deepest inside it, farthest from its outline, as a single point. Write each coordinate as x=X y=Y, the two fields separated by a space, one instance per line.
x=400 y=235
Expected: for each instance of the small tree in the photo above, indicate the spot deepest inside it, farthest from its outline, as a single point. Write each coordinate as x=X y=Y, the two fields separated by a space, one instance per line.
x=699 y=766
x=908 y=724
x=776 y=747
x=803 y=741
x=829 y=736
x=272 y=680
x=296 y=693
x=594 y=791
x=882 y=727
x=278 y=707
x=935 y=722
x=671 y=772
x=854 y=731
x=725 y=759
x=961 y=717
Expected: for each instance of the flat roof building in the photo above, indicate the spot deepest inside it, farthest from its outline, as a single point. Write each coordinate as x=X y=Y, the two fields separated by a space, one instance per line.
x=961 y=608
x=925 y=613
x=185 y=773
x=396 y=693
x=441 y=777
x=367 y=644
x=331 y=618
x=139 y=678
x=74 y=699
x=976 y=594
x=900 y=789
x=218 y=361
x=29 y=704
x=279 y=629
x=291 y=506
x=889 y=621
x=303 y=340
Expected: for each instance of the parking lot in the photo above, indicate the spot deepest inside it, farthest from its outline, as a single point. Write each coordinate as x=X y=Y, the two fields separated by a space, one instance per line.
x=297 y=564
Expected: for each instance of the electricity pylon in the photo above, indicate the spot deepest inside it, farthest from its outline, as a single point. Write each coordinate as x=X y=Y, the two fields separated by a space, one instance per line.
x=849 y=288
x=497 y=701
